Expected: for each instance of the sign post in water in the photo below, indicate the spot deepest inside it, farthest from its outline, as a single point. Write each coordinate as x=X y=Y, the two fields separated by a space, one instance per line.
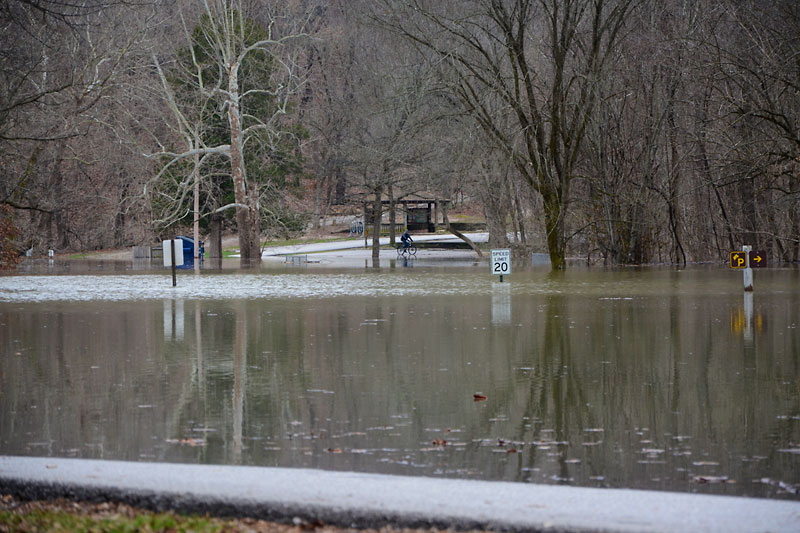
x=173 y=255
x=501 y=262
x=747 y=260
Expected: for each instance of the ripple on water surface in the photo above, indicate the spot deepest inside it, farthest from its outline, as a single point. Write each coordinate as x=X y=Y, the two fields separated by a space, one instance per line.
x=603 y=285
x=143 y=287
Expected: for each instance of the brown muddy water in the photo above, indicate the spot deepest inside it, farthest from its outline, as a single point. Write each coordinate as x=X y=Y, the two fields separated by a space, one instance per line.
x=652 y=378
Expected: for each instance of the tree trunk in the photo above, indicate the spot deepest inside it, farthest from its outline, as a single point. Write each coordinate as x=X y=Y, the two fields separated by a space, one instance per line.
x=554 y=227
x=376 y=223
x=57 y=190
x=392 y=213
x=196 y=209
x=674 y=184
x=706 y=166
x=451 y=229
x=496 y=225
x=518 y=222
x=238 y=171
x=495 y=206
x=255 y=222
x=120 y=219
x=794 y=243
x=44 y=232
x=215 y=237
x=340 y=189
x=319 y=192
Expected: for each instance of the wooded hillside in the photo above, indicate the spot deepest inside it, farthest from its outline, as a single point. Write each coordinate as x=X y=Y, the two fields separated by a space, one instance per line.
x=622 y=131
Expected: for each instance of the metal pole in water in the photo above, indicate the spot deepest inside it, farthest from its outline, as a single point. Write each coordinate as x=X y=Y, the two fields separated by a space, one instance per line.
x=748 y=272
x=172 y=248
x=748 y=316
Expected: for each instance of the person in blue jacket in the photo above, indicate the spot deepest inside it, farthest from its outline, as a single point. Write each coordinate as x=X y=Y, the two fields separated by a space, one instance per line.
x=406 y=238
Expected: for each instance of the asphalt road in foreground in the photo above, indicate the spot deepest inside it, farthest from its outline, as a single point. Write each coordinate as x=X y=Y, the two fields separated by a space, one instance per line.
x=373 y=500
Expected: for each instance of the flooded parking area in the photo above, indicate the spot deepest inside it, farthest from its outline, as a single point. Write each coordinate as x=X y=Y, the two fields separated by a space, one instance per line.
x=649 y=378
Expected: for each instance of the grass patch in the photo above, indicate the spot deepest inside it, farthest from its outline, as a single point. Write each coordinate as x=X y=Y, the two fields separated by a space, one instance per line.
x=293 y=242
x=290 y=242
x=466 y=218
x=61 y=516
x=112 y=520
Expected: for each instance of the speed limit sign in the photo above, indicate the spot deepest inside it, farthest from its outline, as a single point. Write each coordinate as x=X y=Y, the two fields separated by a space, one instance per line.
x=501 y=262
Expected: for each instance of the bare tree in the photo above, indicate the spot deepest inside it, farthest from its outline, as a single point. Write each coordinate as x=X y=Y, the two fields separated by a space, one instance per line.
x=759 y=82
x=229 y=35
x=384 y=143
x=542 y=60
x=61 y=66
x=328 y=102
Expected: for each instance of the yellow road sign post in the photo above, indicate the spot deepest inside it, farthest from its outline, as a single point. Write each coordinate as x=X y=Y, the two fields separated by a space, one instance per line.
x=747 y=260
x=741 y=260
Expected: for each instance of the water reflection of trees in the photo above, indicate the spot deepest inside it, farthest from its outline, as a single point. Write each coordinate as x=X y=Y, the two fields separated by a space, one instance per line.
x=654 y=382
x=89 y=381
x=624 y=392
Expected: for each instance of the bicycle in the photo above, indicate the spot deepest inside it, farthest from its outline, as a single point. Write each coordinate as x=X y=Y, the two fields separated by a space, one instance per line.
x=406 y=251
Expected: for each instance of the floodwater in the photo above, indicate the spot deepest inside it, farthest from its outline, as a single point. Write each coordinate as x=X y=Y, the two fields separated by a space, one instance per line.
x=650 y=378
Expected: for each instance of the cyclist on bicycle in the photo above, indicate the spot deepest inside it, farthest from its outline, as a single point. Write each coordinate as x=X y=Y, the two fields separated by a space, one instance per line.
x=406 y=238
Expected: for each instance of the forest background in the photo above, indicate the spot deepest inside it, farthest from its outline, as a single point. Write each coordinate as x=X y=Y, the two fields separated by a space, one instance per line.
x=619 y=131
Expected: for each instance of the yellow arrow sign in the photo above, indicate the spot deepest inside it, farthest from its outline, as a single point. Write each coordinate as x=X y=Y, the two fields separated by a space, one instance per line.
x=758 y=259
x=740 y=259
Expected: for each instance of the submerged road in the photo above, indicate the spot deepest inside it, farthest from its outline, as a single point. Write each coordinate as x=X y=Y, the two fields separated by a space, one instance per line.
x=372 y=500
x=359 y=243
